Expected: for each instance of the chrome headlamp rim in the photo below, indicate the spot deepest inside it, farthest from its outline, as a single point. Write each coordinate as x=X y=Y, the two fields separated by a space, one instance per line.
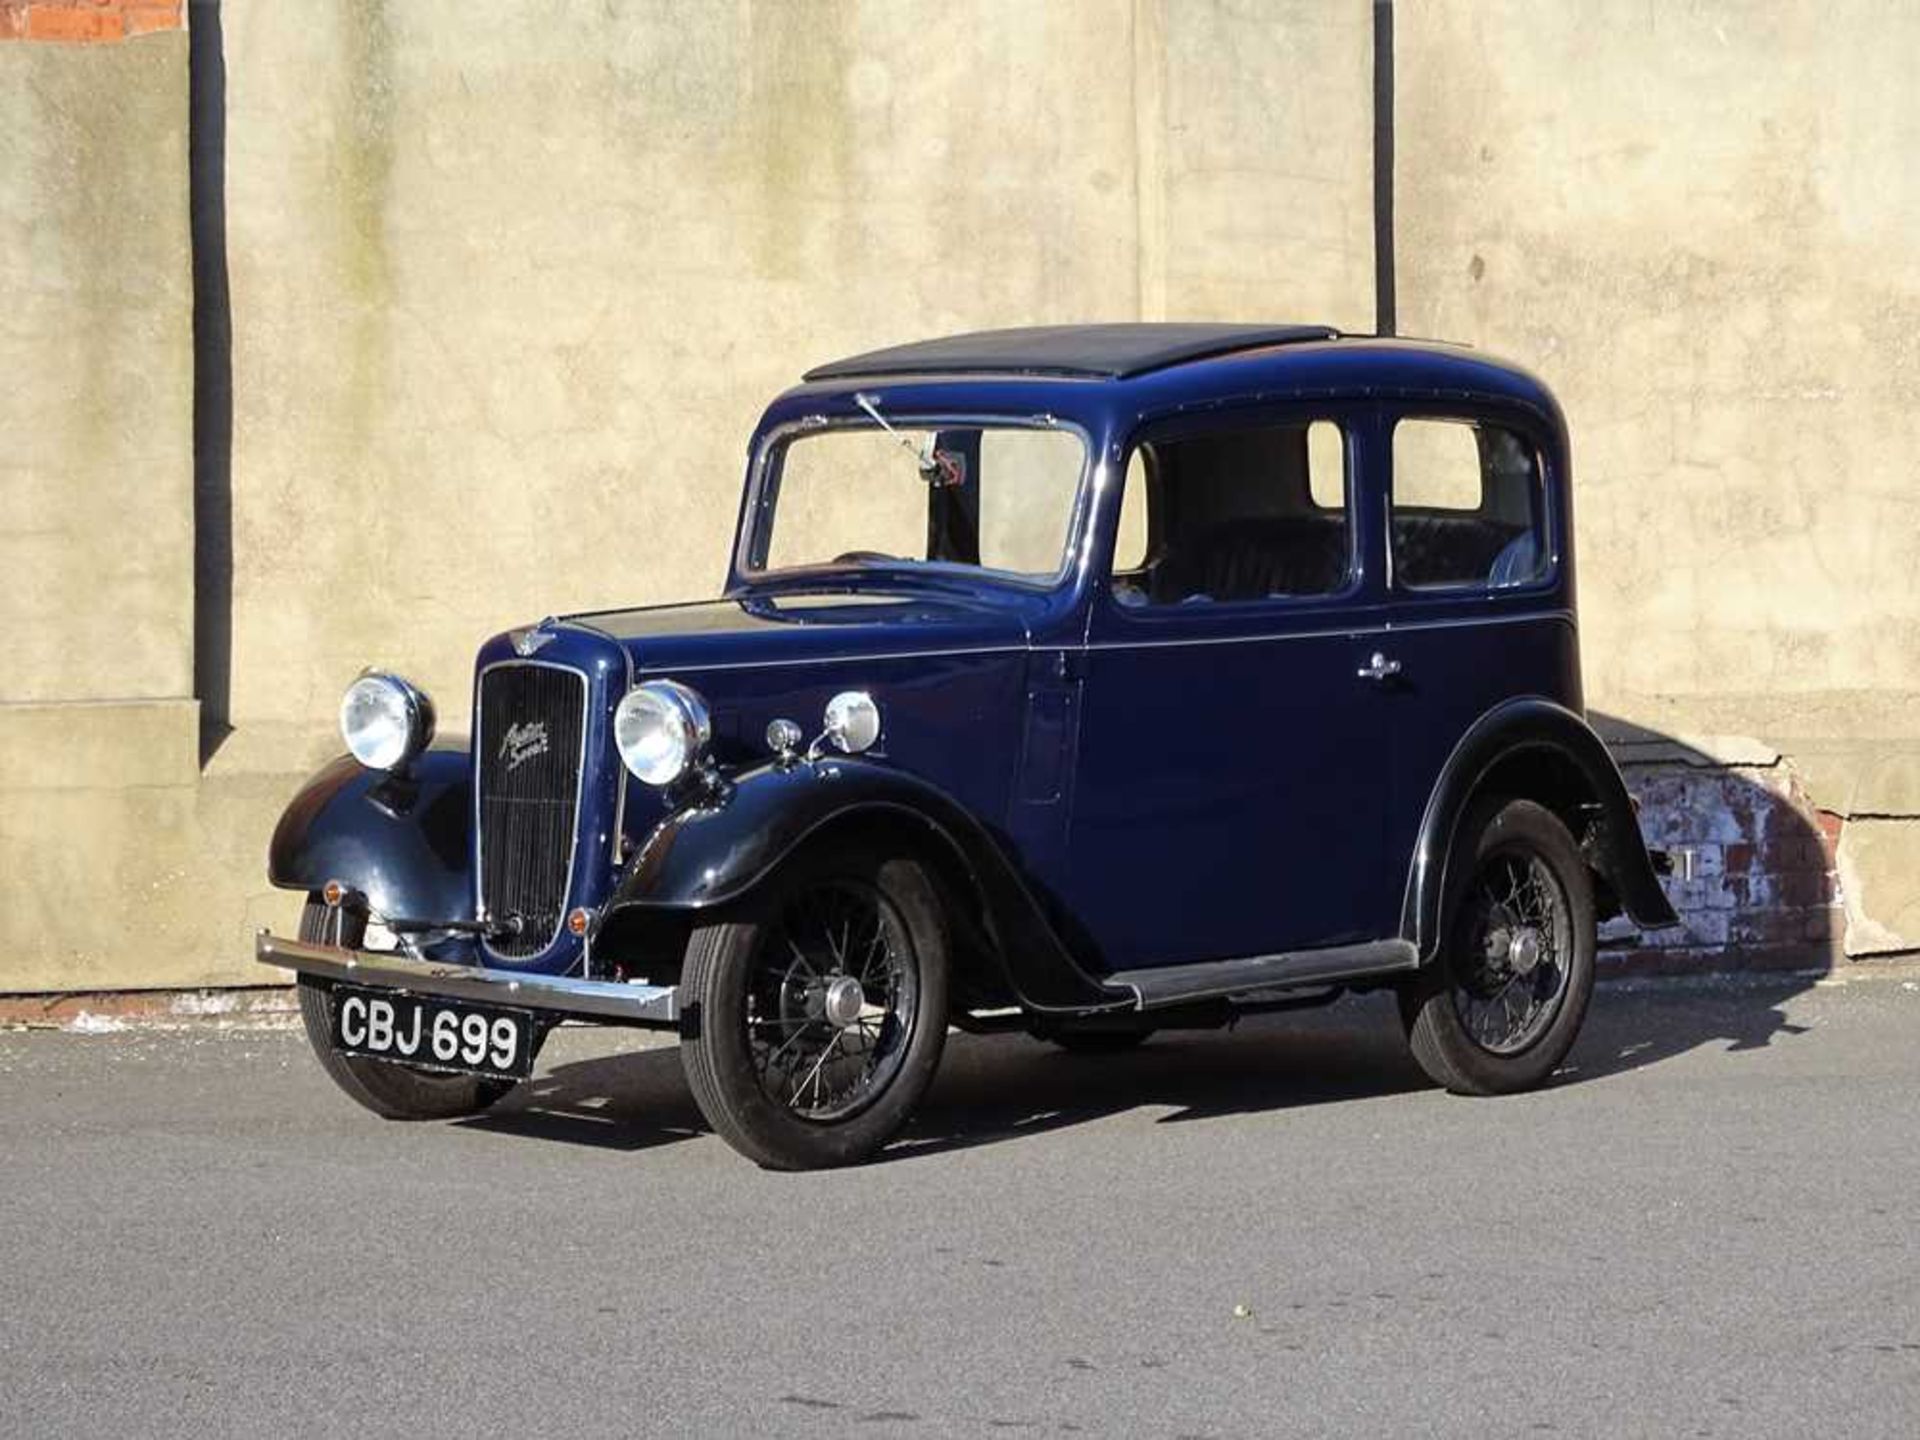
x=408 y=719
x=661 y=728
x=852 y=722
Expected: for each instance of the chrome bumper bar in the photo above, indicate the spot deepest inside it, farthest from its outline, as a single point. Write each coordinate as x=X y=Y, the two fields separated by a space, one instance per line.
x=605 y=1001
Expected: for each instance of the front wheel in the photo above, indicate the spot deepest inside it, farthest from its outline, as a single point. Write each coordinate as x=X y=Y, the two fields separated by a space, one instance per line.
x=1501 y=1005
x=393 y=1092
x=815 y=1015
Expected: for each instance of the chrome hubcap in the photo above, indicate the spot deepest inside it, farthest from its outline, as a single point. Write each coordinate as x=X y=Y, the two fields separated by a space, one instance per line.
x=843 y=1002
x=831 y=1001
x=1516 y=942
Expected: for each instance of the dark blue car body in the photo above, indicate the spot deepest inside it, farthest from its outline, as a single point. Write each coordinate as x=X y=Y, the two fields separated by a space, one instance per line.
x=1117 y=793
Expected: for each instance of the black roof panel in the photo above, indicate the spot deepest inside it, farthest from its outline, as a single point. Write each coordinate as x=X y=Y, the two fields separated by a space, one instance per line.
x=1094 y=351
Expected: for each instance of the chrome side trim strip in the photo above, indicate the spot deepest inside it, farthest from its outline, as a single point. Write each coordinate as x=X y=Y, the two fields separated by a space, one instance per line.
x=1335 y=632
x=849 y=659
x=602 y=1000
x=1389 y=627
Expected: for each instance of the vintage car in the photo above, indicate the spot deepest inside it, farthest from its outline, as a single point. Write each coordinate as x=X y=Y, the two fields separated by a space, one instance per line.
x=1081 y=680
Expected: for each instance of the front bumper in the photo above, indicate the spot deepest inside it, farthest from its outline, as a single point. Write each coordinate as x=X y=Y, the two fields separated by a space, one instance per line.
x=601 y=1002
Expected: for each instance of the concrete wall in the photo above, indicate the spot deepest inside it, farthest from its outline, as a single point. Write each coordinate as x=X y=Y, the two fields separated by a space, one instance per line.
x=506 y=291
x=1698 y=222
x=98 y=724
x=96 y=457
x=499 y=303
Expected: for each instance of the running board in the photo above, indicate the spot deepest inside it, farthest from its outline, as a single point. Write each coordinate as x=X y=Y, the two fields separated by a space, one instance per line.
x=1211 y=979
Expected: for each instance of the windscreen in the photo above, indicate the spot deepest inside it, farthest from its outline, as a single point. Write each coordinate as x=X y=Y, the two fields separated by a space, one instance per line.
x=999 y=498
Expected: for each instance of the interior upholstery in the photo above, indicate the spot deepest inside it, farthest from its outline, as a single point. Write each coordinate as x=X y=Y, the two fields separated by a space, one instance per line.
x=1253 y=557
x=1443 y=549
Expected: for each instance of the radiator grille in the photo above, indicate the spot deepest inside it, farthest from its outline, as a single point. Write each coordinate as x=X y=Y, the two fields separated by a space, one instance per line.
x=528 y=741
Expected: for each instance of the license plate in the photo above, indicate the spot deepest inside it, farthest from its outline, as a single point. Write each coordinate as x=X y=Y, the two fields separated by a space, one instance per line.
x=433 y=1034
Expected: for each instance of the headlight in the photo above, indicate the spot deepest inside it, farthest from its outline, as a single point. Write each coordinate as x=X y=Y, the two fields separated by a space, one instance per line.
x=660 y=727
x=385 y=721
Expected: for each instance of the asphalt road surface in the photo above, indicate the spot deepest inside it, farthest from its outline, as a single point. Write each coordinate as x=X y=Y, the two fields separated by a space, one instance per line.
x=1706 y=1227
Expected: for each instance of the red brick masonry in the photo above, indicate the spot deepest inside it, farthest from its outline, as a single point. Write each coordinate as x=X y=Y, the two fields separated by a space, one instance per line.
x=1764 y=889
x=87 y=22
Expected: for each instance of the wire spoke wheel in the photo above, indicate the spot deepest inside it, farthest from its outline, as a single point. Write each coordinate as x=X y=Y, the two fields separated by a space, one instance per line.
x=816 y=1010
x=1499 y=1006
x=831 y=999
x=1513 y=938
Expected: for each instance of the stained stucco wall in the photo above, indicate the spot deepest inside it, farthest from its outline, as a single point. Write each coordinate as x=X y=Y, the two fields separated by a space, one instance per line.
x=98 y=724
x=96 y=455
x=1698 y=221
x=508 y=289
x=509 y=297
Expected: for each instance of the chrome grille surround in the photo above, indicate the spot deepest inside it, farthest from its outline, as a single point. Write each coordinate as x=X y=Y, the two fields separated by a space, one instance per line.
x=527 y=814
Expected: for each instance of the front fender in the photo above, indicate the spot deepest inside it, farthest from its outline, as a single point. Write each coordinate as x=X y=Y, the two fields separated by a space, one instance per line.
x=717 y=850
x=1508 y=730
x=401 y=840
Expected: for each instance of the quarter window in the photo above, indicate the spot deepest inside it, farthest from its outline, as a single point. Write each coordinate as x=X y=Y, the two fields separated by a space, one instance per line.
x=1466 y=506
x=1248 y=514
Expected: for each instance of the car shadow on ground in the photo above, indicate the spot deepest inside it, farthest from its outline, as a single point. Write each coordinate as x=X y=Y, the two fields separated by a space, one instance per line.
x=1000 y=1088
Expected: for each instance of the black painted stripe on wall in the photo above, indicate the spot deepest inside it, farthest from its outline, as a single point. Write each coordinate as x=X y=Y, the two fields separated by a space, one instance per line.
x=1385 y=320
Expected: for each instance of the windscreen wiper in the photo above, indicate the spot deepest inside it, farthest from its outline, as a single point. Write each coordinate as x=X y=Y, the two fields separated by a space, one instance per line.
x=939 y=468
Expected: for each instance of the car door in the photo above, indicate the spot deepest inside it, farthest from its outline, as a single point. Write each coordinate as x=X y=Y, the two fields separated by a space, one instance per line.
x=1479 y=586
x=1231 y=785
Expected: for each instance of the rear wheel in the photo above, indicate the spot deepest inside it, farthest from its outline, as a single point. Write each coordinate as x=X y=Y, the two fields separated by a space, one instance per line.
x=393 y=1092
x=817 y=1012
x=1501 y=1005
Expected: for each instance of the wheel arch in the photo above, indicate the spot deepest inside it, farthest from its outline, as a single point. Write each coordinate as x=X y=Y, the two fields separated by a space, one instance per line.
x=720 y=852
x=1534 y=749
x=976 y=957
x=402 y=840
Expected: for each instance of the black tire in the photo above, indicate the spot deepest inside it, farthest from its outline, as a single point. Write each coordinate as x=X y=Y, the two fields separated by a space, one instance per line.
x=756 y=987
x=393 y=1092
x=1502 y=1003
x=1096 y=1042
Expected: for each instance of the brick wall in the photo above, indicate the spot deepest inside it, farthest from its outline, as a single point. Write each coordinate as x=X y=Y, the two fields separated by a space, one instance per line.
x=86 y=21
x=1756 y=877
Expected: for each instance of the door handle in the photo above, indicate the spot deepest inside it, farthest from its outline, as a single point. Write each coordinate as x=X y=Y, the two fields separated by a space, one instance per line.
x=1379 y=668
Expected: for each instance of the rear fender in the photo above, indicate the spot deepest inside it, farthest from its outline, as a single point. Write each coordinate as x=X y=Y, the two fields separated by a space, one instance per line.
x=400 y=840
x=1516 y=729
x=717 y=851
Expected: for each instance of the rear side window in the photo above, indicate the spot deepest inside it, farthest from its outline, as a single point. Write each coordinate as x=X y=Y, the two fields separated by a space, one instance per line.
x=1248 y=514
x=1467 y=507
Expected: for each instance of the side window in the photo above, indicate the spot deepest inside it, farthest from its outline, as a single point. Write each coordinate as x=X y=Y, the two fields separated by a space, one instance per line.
x=1250 y=514
x=1131 y=542
x=1326 y=465
x=1466 y=506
